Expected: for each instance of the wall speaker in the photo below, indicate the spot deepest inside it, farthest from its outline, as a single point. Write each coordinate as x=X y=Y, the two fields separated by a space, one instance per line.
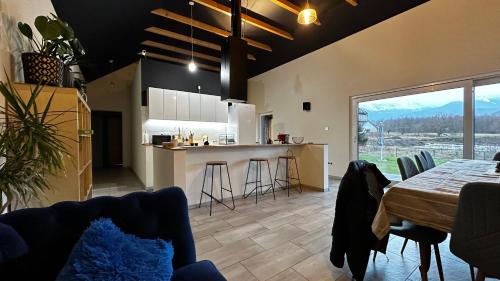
x=306 y=106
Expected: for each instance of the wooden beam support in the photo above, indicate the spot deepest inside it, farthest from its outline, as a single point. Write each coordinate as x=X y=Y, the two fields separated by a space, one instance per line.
x=352 y=2
x=201 y=25
x=181 y=61
x=178 y=50
x=187 y=39
x=245 y=18
x=292 y=8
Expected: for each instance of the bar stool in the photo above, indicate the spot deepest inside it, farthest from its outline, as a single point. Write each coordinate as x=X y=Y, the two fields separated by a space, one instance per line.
x=215 y=164
x=288 y=177
x=258 y=178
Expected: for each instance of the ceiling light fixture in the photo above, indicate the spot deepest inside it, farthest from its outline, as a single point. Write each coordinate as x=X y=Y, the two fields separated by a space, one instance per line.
x=307 y=15
x=192 y=66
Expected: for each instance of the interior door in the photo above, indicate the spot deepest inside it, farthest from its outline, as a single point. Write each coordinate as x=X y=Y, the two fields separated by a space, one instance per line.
x=107 y=141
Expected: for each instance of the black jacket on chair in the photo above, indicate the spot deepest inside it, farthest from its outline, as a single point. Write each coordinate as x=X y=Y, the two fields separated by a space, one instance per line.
x=355 y=210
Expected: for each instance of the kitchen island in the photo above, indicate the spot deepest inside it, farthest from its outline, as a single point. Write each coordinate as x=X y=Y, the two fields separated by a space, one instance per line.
x=185 y=166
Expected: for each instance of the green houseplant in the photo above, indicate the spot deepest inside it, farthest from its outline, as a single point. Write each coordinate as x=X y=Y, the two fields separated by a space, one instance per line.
x=31 y=147
x=57 y=49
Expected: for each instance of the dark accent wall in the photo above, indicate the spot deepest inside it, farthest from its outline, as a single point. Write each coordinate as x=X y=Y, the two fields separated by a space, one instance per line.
x=164 y=75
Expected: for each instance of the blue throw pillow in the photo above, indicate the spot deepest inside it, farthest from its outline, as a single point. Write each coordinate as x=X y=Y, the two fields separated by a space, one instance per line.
x=105 y=253
x=12 y=245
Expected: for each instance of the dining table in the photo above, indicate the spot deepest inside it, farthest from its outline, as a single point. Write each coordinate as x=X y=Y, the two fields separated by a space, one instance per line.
x=431 y=198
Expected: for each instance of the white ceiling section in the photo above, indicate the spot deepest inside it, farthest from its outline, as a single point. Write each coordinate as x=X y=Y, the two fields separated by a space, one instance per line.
x=436 y=41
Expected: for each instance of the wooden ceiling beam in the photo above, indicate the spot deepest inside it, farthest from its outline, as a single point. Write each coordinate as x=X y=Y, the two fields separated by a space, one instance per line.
x=178 y=50
x=352 y=2
x=187 y=39
x=201 y=25
x=181 y=61
x=245 y=18
x=292 y=8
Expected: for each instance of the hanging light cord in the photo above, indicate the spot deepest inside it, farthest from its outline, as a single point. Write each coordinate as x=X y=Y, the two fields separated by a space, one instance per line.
x=192 y=38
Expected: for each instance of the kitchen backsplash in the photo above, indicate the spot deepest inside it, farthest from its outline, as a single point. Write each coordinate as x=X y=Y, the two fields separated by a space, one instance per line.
x=199 y=129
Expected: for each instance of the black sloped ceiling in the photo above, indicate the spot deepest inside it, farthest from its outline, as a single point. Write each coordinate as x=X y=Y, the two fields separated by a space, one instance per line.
x=112 y=30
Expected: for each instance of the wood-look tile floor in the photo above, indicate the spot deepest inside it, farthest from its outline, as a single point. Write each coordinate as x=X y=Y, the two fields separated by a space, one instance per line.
x=288 y=239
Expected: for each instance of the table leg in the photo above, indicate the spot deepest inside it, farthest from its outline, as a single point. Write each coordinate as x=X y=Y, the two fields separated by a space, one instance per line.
x=425 y=259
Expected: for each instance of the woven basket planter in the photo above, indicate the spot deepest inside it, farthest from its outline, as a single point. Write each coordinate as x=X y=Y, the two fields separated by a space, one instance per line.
x=42 y=69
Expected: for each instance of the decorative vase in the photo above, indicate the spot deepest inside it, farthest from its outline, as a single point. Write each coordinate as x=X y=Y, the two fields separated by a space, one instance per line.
x=42 y=69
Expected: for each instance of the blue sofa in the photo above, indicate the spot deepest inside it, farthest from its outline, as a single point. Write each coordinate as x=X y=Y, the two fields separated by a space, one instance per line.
x=35 y=242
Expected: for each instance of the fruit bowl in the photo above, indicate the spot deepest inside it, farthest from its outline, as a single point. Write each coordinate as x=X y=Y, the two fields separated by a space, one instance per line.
x=297 y=140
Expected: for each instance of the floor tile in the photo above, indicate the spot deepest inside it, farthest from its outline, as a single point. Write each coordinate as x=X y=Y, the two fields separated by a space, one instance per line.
x=319 y=268
x=206 y=244
x=315 y=241
x=237 y=272
x=288 y=275
x=238 y=233
x=273 y=261
x=232 y=253
x=276 y=237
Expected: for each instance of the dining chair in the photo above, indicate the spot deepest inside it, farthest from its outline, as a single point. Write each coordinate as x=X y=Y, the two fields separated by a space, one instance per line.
x=475 y=237
x=497 y=156
x=407 y=167
x=421 y=163
x=430 y=161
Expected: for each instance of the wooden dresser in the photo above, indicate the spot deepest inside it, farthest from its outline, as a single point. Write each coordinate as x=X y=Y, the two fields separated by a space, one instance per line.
x=75 y=183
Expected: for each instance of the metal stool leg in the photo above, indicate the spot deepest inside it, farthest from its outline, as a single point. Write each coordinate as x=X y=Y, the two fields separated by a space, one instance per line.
x=203 y=185
x=212 y=191
x=404 y=246
x=230 y=186
x=287 y=177
x=221 y=192
x=246 y=181
x=298 y=176
x=270 y=179
x=276 y=173
x=256 y=180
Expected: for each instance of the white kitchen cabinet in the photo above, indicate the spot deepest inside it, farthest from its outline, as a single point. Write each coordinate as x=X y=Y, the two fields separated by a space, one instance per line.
x=183 y=106
x=242 y=119
x=208 y=103
x=155 y=103
x=169 y=105
x=194 y=107
x=221 y=111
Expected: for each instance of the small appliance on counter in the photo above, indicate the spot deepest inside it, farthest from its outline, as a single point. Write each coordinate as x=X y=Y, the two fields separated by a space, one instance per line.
x=284 y=138
x=160 y=139
x=226 y=139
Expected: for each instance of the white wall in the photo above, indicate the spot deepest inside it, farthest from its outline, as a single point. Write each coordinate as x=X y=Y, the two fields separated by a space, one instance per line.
x=112 y=93
x=438 y=40
x=138 y=117
x=12 y=44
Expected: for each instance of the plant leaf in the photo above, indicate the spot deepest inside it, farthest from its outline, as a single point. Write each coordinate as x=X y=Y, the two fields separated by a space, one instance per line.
x=25 y=30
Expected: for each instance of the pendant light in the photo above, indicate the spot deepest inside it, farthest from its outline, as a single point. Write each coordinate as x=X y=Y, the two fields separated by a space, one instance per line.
x=192 y=66
x=307 y=15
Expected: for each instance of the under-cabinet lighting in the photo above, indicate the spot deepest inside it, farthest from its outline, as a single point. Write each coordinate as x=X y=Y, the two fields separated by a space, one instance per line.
x=155 y=123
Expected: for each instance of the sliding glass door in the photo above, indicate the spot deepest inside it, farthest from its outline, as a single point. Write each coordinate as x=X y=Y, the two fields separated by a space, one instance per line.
x=486 y=118
x=404 y=123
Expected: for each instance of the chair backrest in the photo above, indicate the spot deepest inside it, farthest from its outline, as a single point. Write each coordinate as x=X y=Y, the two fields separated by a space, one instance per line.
x=51 y=232
x=407 y=167
x=475 y=237
x=430 y=161
x=421 y=163
x=497 y=156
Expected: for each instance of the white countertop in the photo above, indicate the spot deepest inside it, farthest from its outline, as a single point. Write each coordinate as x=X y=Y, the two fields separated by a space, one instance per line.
x=218 y=146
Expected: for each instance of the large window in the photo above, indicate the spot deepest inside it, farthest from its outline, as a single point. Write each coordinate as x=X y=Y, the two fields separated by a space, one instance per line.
x=459 y=119
x=487 y=119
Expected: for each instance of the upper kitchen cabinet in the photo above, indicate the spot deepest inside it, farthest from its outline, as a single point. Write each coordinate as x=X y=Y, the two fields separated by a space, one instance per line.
x=221 y=111
x=169 y=105
x=183 y=109
x=194 y=107
x=208 y=104
x=155 y=102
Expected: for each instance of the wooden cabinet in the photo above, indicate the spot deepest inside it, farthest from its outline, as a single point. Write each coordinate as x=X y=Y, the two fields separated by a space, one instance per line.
x=169 y=105
x=194 y=107
x=221 y=111
x=183 y=106
x=155 y=102
x=208 y=108
x=74 y=125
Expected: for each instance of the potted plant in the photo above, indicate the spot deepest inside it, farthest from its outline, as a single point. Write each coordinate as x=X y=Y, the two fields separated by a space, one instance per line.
x=30 y=146
x=58 y=48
